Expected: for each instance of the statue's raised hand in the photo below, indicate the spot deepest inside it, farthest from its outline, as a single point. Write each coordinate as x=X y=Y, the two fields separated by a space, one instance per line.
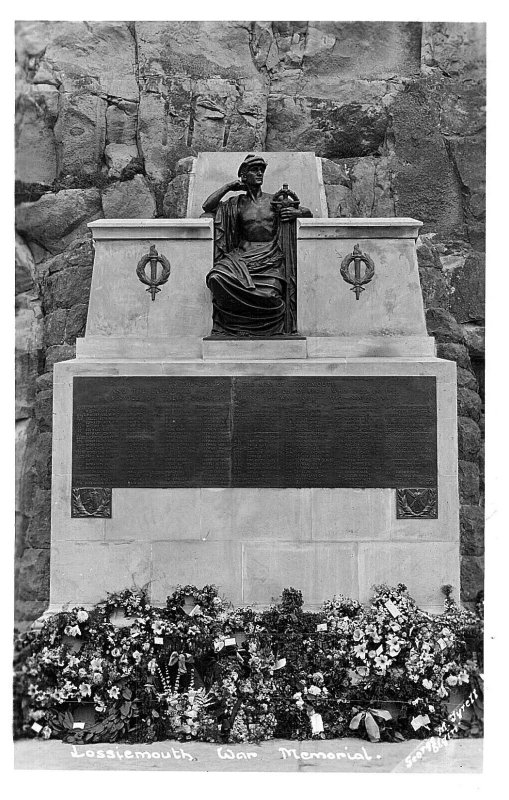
x=211 y=203
x=237 y=186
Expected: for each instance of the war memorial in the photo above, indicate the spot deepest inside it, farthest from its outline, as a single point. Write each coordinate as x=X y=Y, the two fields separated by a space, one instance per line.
x=235 y=423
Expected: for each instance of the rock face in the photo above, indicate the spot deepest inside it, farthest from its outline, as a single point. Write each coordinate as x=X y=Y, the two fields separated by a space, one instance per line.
x=57 y=218
x=129 y=199
x=109 y=116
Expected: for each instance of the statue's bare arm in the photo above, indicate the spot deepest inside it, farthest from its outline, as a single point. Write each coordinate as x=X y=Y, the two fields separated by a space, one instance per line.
x=212 y=202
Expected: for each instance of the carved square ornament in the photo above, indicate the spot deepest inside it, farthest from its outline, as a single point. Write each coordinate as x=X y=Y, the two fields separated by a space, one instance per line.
x=417 y=503
x=91 y=501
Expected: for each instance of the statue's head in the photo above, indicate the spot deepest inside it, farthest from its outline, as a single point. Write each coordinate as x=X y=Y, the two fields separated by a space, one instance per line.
x=254 y=166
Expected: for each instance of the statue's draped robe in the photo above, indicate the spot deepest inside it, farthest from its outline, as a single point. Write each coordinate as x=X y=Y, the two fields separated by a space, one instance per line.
x=248 y=283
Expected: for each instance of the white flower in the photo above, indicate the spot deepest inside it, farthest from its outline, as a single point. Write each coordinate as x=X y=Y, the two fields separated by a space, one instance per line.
x=427 y=684
x=152 y=666
x=452 y=680
x=85 y=689
x=314 y=690
x=82 y=616
x=46 y=732
x=382 y=662
x=394 y=645
x=96 y=664
x=72 y=630
x=300 y=703
x=360 y=650
x=114 y=692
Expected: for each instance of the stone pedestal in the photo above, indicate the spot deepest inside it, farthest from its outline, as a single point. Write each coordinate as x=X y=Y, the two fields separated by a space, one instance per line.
x=123 y=321
x=325 y=461
x=388 y=317
x=252 y=541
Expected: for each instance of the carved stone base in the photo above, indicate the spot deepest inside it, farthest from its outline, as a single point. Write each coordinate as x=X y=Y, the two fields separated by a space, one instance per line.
x=251 y=541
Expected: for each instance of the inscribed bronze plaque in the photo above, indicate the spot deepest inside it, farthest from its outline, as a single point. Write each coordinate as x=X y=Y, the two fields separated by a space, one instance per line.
x=277 y=432
x=151 y=432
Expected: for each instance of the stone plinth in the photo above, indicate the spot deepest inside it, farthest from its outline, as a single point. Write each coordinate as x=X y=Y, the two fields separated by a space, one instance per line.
x=123 y=321
x=253 y=542
x=389 y=308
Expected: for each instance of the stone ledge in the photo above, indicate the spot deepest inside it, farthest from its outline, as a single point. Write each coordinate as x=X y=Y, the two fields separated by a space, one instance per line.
x=257 y=349
x=370 y=346
x=152 y=228
x=163 y=348
x=443 y=369
x=312 y=347
x=359 y=228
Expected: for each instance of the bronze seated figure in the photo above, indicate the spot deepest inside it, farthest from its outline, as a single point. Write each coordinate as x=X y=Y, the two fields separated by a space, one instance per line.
x=253 y=277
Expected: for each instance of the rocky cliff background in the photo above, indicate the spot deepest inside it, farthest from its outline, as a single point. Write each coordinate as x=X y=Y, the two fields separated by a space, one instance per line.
x=107 y=115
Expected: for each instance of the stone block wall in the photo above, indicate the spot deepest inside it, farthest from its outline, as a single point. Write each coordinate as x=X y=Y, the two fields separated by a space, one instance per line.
x=108 y=116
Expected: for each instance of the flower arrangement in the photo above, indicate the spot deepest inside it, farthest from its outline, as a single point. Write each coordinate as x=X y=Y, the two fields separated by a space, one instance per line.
x=202 y=670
